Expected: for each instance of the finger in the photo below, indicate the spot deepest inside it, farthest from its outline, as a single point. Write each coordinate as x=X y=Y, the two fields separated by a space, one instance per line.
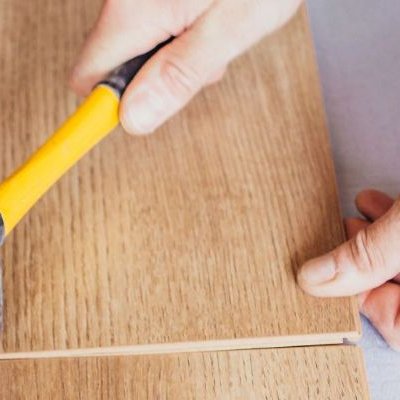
x=354 y=225
x=178 y=71
x=114 y=39
x=364 y=262
x=373 y=203
x=382 y=307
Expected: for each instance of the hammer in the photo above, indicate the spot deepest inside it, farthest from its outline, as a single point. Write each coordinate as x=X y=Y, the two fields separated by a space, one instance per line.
x=95 y=118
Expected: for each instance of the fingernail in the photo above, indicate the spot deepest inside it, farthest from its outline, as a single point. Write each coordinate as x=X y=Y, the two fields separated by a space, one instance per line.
x=143 y=110
x=318 y=270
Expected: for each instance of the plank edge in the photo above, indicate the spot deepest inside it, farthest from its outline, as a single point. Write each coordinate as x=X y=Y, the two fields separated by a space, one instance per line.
x=191 y=347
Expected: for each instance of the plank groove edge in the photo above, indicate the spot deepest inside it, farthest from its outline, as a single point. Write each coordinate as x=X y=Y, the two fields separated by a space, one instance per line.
x=189 y=347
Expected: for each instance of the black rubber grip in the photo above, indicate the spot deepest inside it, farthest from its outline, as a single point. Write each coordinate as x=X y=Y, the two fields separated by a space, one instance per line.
x=120 y=77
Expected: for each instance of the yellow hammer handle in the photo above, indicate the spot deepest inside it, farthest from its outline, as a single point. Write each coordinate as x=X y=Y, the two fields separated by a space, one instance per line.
x=95 y=118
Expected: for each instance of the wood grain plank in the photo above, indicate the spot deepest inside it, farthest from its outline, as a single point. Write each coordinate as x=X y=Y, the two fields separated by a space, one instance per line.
x=334 y=372
x=189 y=237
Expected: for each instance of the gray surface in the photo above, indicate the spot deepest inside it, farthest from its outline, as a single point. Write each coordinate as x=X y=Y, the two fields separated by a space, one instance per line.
x=358 y=50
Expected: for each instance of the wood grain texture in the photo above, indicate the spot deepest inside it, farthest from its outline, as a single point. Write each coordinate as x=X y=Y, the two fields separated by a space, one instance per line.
x=188 y=239
x=295 y=373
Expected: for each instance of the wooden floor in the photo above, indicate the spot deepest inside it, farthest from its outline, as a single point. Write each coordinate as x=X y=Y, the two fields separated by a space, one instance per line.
x=293 y=373
x=185 y=240
x=184 y=243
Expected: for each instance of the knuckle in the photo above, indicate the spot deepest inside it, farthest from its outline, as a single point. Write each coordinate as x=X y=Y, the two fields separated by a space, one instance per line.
x=364 y=252
x=182 y=79
x=393 y=220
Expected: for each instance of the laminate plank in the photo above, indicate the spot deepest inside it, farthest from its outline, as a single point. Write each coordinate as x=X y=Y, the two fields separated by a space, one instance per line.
x=185 y=240
x=334 y=372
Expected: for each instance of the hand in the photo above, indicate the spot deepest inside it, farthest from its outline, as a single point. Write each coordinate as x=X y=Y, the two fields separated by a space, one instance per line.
x=210 y=33
x=368 y=265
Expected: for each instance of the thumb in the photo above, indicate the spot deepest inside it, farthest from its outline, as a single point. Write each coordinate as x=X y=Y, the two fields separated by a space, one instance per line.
x=167 y=82
x=178 y=71
x=368 y=260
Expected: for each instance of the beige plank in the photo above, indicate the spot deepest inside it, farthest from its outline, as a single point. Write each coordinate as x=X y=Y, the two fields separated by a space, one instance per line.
x=188 y=239
x=334 y=372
